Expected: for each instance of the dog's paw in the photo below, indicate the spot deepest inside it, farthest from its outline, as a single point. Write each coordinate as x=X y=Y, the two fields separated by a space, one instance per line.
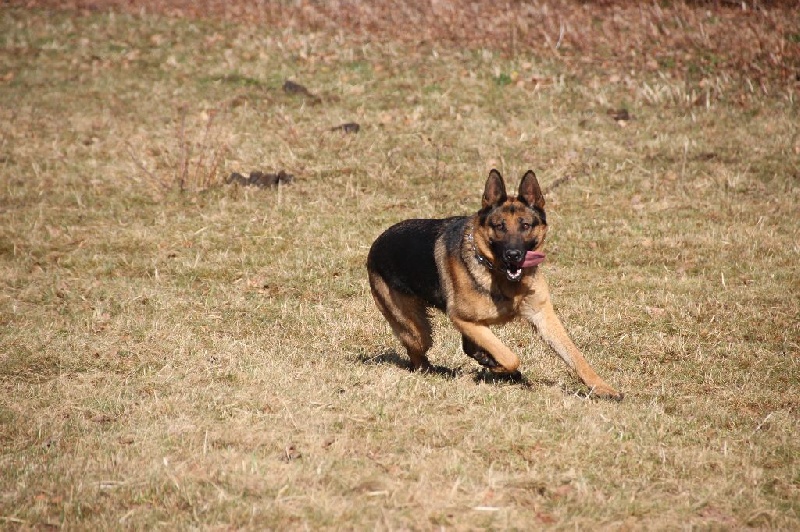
x=604 y=391
x=484 y=359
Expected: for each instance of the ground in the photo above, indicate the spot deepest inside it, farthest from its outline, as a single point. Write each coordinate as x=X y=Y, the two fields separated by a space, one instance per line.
x=177 y=351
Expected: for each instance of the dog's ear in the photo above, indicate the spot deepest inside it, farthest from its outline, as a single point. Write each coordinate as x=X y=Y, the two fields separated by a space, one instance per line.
x=495 y=191
x=530 y=192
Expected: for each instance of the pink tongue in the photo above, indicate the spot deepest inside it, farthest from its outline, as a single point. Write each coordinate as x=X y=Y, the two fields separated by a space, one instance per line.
x=533 y=258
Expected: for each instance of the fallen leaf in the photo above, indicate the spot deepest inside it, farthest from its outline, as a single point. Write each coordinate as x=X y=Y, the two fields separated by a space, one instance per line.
x=350 y=127
x=562 y=491
x=545 y=518
x=290 y=454
x=619 y=115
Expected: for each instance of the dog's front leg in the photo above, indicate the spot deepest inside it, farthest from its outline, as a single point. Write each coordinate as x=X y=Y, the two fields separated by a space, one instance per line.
x=484 y=338
x=538 y=310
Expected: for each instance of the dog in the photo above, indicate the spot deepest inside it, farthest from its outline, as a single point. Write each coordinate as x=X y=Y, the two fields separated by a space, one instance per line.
x=480 y=270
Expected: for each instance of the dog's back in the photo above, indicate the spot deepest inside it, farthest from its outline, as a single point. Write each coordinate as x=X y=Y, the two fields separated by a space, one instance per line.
x=403 y=257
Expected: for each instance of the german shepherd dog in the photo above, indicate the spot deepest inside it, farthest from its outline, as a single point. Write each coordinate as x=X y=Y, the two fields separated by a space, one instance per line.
x=480 y=270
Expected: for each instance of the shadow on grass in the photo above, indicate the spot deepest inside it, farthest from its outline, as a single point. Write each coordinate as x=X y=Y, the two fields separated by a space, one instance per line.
x=480 y=374
x=390 y=356
x=488 y=377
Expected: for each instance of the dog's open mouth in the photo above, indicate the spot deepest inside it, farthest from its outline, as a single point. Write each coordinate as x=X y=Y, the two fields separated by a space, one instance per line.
x=514 y=273
x=532 y=258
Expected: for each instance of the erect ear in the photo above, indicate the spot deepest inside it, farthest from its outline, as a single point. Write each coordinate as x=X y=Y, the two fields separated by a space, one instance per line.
x=530 y=192
x=495 y=191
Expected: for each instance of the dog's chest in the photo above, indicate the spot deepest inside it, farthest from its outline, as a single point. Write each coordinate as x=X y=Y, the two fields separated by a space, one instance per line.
x=496 y=305
x=505 y=305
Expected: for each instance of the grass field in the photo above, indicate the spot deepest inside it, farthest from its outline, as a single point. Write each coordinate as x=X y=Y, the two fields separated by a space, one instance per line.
x=177 y=352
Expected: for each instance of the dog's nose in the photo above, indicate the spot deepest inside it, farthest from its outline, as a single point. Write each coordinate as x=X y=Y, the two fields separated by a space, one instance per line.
x=512 y=256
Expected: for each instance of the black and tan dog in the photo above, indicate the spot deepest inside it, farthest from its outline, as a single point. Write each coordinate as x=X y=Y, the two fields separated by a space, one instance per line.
x=480 y=270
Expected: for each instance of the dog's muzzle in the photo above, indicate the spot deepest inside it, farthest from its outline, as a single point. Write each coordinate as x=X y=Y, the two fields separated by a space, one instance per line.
x=514 y=268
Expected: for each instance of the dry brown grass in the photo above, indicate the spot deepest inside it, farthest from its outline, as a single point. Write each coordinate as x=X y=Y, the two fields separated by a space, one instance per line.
x=212 y=358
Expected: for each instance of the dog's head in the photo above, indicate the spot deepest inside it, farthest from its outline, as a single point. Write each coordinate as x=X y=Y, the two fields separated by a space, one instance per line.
x=513 y=229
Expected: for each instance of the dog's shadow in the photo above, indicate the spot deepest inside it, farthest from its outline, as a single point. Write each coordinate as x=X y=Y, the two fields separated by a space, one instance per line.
x=486 y=376
x=390 y=356
x=479 y=374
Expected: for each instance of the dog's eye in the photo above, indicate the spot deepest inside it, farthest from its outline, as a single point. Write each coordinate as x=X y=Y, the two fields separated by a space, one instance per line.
x=525 y=226
x=499 y=226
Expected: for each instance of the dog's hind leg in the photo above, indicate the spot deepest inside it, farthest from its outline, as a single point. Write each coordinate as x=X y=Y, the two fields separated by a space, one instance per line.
x=408 y=317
